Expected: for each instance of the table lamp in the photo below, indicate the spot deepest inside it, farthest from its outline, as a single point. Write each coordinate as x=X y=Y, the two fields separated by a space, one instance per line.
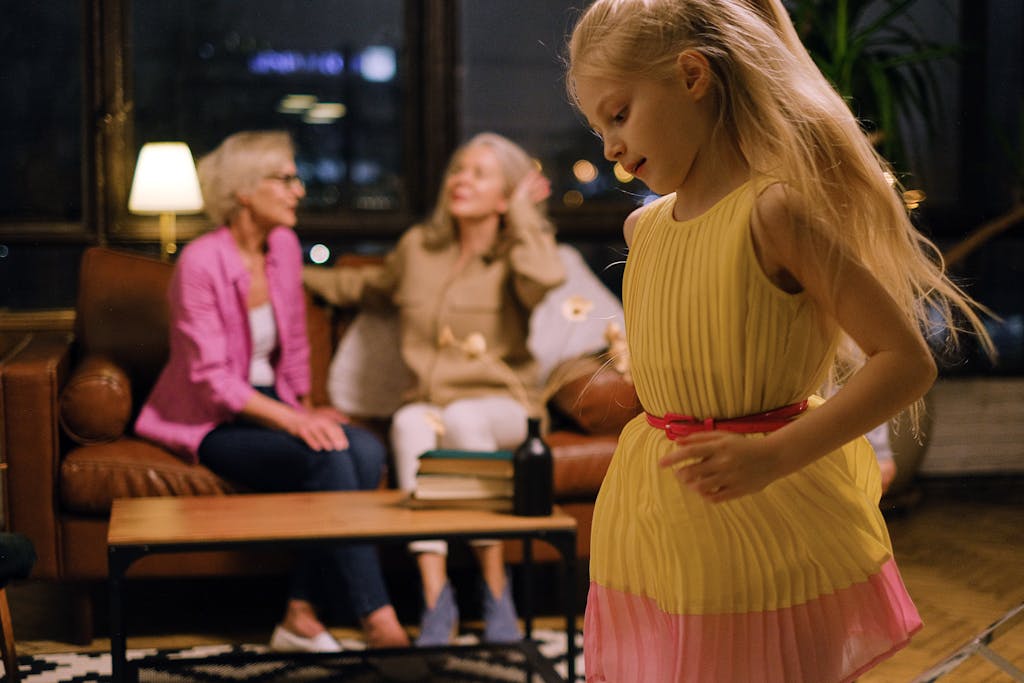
x=165 y=183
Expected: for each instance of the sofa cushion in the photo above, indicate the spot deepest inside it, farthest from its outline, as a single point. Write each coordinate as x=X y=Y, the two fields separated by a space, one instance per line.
x=580 y=463
x=96 y=402
x=93 y=476
x=598 y=398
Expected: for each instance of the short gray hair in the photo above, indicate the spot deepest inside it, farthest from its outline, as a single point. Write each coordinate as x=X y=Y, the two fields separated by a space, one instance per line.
x=237 y=165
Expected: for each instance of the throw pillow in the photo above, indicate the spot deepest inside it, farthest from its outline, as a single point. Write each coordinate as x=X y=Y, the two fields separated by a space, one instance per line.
x=367 y=376
x=572 y=319
x=96 y=402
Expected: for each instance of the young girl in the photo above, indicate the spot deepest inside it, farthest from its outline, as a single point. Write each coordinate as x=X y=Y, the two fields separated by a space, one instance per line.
x=737 y=535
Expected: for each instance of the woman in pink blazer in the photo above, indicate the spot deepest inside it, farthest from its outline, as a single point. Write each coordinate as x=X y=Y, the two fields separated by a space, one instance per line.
x=234 y=394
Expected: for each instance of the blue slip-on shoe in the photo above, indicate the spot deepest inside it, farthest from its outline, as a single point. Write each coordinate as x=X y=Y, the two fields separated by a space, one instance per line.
x=437 y=623
x=501 y=625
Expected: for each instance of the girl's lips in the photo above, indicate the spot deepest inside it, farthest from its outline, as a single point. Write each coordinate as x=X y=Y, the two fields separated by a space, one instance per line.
x=638 y=166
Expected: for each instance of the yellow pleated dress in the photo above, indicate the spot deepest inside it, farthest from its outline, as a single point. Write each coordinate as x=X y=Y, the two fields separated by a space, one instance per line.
x=793 y=584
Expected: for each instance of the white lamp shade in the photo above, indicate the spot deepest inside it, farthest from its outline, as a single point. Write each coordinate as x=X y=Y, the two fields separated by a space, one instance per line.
x=165 y=180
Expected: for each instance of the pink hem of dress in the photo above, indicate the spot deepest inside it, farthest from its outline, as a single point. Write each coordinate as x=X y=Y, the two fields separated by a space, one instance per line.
x=834 y=637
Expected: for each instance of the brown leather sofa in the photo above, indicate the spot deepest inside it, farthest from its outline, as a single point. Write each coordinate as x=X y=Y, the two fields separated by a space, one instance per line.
x=68 y=402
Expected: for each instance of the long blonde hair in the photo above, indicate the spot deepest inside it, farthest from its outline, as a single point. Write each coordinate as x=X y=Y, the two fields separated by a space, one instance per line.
x=777 y=109
x=522 y=216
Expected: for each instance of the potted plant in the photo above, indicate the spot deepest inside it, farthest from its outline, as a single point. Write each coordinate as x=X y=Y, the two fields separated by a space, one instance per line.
x=878 y=59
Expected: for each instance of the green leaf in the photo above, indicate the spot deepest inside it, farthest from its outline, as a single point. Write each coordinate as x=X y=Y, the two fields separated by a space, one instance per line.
x=877 y=57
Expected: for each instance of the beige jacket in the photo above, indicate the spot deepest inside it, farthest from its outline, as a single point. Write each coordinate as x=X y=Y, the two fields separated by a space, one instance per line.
x=444 y=317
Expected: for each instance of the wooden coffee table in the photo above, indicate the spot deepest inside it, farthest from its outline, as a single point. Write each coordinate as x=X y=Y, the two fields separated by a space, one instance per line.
x=173 y=524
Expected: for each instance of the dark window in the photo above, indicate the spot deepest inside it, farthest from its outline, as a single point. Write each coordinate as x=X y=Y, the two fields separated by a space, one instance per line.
x=41 y=116
x=329 y=72
x=41 y=168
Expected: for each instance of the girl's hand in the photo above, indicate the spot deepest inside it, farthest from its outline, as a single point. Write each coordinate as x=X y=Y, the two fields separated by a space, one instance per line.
x=320 y=432
x=721 y=465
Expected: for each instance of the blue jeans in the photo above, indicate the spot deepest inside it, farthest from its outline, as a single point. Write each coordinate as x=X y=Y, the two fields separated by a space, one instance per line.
x=270 y=460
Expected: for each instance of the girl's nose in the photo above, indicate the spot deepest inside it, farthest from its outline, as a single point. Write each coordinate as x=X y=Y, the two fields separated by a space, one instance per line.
x=612 y=149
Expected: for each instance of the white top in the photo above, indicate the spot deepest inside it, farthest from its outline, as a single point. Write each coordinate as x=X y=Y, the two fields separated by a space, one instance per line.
x=263 y=330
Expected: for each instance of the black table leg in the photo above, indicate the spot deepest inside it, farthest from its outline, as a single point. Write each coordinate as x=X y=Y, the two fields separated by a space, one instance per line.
x=118 y=562
x=528 y=586
x=565 y=543
x=570 y=609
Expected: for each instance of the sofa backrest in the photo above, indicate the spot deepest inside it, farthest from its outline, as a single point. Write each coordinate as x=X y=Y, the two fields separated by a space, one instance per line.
x=122 y=313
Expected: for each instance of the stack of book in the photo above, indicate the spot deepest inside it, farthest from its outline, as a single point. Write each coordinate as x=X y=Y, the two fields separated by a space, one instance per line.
x=464 y=479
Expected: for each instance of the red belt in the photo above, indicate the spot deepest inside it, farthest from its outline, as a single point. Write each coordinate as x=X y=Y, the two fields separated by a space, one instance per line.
x=676 y=425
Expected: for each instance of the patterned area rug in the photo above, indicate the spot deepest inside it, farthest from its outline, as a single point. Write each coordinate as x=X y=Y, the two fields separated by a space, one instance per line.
x=231 y=663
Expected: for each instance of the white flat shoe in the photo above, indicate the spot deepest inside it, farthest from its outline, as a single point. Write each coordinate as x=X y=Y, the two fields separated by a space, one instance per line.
x=284 y=640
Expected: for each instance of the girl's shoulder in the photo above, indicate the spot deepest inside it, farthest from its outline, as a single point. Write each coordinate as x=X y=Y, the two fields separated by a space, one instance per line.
x=773 y=202
x=644 y=214
x=779 y=232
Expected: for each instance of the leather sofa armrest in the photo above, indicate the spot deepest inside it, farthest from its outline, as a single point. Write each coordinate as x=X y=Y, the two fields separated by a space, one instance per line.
x=32 y=381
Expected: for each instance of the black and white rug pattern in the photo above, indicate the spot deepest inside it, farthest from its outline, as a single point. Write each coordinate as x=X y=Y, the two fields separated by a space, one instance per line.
x=223 y=664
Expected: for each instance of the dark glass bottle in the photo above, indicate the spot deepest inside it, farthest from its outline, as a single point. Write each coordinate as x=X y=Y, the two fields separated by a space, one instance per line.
x=533 y=471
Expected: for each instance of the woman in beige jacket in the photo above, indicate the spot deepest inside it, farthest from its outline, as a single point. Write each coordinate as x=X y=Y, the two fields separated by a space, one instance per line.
x=464 y=283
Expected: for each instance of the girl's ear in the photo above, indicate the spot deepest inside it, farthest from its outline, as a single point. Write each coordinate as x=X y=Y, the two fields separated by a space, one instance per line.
x=695 y=72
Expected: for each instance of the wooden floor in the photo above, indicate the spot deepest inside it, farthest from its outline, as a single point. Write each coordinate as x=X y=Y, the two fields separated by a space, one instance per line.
x=960 y=550
x=961 y=553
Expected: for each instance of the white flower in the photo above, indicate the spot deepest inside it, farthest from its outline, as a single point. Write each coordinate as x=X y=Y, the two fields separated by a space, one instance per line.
x=576 y=308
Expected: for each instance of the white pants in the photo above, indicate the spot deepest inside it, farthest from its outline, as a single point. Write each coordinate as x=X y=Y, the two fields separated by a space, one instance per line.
x=489 y=423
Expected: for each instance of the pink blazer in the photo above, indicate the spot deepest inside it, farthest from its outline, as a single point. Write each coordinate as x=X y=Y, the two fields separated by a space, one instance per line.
x=206 y=380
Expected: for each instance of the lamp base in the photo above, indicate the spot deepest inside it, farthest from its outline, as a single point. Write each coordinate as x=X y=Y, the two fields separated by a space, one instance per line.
x=168 y=237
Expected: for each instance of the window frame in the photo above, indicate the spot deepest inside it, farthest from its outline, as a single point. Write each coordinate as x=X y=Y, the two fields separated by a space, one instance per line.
x=108 y=136
x=432 y=59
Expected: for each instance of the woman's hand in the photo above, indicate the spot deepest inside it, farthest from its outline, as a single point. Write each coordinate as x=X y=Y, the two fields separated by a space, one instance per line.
x=320 y=431
x=720 y=465
x=331 y=413
x=319 y=428
x=534 y=187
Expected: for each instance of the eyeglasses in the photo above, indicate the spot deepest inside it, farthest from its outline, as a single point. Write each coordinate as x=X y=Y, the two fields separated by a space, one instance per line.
x=289 y=179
